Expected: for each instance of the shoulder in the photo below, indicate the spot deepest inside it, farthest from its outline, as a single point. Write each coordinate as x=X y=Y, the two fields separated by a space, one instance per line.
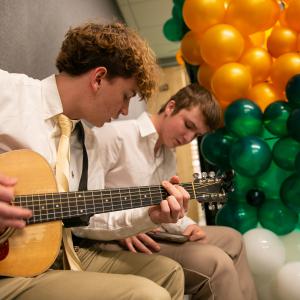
x=17 y=79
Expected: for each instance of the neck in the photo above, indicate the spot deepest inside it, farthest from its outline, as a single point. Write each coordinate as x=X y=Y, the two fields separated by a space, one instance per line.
x=71 y=91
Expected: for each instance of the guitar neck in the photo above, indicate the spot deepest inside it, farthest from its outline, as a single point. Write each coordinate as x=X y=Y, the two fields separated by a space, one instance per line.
x=58 y=206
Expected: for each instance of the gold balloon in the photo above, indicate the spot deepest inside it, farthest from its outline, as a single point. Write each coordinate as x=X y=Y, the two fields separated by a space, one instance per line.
x=284 y=67
x=250 y=16
x=199 y=15
x=204 y=75
x=282 y=40
x=259 y=61
x=292 y=15
x=221 y=44
x=230 y=82
x=263 y=94
x=190 y=48
x=258 y=38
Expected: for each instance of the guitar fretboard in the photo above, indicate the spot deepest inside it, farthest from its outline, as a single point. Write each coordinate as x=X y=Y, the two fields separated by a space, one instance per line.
x=58 y=206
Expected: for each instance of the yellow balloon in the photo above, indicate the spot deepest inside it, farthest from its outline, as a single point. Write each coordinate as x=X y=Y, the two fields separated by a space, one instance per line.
x=204 y=75
x=250 y=16
x=190 y=48
x=259 y=61
x=282 y=40
x=292 y=15
x=199 y=15
x=221 y=44
x=231 y=81
x=286 y=66
x=263 y=94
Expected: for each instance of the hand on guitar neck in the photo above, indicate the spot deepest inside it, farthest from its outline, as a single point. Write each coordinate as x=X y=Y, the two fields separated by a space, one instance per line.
x=10 y=216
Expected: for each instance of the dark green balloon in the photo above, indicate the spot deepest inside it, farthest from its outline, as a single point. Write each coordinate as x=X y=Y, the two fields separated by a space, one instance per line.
x=238 y=215
x=275 y=117
x=268 y=137
x=277 y=217
x=215 y=148
x=290 y=192
x=270 y=181
x=293 y=124
x=243 y=117
x=292 y=91
x=297 y=163
x=250 y=156
x=284 y=153
x=172 y=30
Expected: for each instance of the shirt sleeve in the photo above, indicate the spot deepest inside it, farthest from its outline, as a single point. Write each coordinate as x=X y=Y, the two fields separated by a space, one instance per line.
x=178 y=227
x=116 y=225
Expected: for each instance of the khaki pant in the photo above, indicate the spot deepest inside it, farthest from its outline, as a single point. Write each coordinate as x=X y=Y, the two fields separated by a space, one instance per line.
x=216 y=270
x=108 y=276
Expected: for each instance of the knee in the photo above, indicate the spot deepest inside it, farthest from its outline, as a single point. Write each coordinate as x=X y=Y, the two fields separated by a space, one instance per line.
x=234 y=241
x=148 y=290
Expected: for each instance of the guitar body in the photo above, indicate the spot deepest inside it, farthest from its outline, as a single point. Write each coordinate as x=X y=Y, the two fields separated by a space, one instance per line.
x=32 y=250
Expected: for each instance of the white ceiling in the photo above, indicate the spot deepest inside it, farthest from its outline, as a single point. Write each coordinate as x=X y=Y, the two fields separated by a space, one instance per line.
x=148 y=18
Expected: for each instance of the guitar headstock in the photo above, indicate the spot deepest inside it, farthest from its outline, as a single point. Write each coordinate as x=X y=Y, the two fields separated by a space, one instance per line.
x=209 y=187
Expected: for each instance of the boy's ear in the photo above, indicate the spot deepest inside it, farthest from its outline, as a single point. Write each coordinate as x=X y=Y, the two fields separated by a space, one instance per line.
x=170 y=108
x=96 y=76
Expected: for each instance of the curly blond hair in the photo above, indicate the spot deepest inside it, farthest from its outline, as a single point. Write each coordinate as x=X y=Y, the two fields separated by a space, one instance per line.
x=114 y=46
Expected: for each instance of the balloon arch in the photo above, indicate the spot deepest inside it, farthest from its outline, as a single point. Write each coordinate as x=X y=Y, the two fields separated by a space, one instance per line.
x=247 y=53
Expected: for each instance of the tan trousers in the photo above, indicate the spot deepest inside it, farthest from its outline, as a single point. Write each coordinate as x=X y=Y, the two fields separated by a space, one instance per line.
x=216 y=270
x=108 y=276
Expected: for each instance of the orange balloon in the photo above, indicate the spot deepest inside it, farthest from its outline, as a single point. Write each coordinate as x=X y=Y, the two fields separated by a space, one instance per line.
x=263 y=94
x=231 y=81
x=282 y=20
x=259 y=61
x=250 y=16
x=204 y=75
x=190 y=48
x=298 y=42
x=221 y=44
x=199 y=15
x=292 y=15
x=282 y=40
x=179 y=57
x=286 y=66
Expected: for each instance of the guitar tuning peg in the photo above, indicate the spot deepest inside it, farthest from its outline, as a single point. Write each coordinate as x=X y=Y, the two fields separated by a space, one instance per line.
x=196 y=176
x=212 y=174
x=203 y=175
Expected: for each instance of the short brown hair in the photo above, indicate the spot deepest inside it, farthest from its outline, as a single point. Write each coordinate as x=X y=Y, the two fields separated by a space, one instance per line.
x=196 y=95
x=114 y=46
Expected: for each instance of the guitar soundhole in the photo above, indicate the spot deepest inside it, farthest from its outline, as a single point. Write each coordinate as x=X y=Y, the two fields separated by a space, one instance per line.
x=4 y=248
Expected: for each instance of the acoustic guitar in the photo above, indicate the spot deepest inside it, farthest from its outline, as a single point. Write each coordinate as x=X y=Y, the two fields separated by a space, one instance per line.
x=32 y=250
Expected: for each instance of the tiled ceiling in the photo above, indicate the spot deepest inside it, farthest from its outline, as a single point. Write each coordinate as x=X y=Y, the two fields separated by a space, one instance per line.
x=148 y=18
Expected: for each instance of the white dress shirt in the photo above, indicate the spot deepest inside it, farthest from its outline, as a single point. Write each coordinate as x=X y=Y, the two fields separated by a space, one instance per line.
x=127 y=153
x=27 y=114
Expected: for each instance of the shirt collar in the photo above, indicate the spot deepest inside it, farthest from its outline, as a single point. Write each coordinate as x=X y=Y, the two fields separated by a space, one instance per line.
x=51 y=99
x=145 y=125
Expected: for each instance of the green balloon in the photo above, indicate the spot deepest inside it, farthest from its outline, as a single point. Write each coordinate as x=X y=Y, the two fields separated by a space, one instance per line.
x=284 y=153
x=172 y=30
x=297 y=163
x=293 y=124
x=275 y=117
x=290 y=192
x=243 y=117
x=250 y=156
x=215 y=148
x=276 y=217
x=292 y=91
x=240 y=216
x=270 y=181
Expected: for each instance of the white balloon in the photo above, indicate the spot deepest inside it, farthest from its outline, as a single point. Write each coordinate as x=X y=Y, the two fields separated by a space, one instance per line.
x=291 y=243
x=265 y=251
x=287 y=282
